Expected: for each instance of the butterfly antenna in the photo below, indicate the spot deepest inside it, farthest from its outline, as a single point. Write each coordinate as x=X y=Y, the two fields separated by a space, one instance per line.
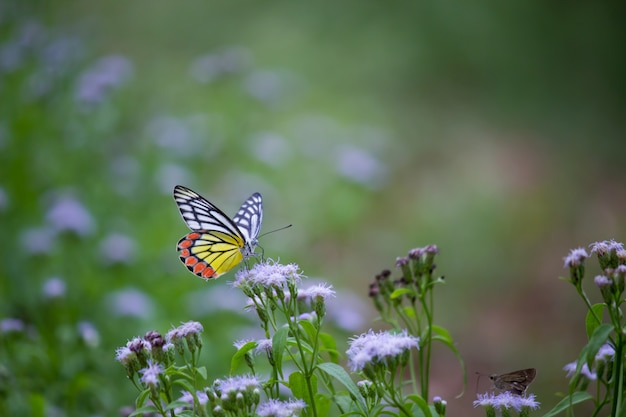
x=276 y=230
x=478 y=380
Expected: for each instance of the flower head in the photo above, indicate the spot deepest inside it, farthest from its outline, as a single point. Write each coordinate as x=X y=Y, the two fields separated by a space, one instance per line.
x=236 y=384
x=69 y=214
x=575 y=257
x=54 y=287
x=268 y=274
x=117 y=248
x=189 y=331
x=379 y=348
x=150 y=374
x=88 y=333
x=321 y=291
x=606 y=246
x=584 y=371
x=277 y=408
x=506 y=400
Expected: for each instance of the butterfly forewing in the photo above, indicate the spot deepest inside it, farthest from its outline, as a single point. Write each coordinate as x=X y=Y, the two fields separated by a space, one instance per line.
x=514 y=382
x=249 y=218
x=216 y=244
x=200 y=214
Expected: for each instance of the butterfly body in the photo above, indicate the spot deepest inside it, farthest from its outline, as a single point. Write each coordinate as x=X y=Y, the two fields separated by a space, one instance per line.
x=514 y=382
x=216 y=244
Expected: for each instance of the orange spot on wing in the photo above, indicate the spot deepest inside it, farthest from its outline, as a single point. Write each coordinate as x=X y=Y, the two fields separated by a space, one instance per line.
x=184 y=244
x=199 y=268
x=191 y=261
x=193 y=235
x=208 y=273
x=184 y=253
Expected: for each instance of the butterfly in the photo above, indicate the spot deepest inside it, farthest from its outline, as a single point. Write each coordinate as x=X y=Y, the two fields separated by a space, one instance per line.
x=216 y=244
x=514 y=382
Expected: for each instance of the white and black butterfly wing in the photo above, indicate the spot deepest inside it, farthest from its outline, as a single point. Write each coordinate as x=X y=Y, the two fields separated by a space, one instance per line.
x=200 y=214
x=249 y=219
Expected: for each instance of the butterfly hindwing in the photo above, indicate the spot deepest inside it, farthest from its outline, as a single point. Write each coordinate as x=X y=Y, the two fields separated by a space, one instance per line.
x=216 y=244
x=209 y=254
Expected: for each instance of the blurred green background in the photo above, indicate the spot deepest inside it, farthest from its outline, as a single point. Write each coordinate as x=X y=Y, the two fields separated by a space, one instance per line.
x=494 y=130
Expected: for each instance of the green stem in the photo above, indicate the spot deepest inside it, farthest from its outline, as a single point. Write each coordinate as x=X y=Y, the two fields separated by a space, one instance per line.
x=618 y=376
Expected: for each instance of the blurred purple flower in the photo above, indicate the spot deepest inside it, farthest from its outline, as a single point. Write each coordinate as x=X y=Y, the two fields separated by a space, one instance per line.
x=17 y=49
x=4 y=199
x=130 y=302
x=117 y=248
x=270 y=148
x=270 y=87
x=169 y=175
x=11 y=325
x=216 y=298
x=360 y=166
x=183 y=136
x=350 y=314
x=69 y=214
x=88 y=333
x=37 y=240
x=105 y=75
x=209 y=67
x=54 y=287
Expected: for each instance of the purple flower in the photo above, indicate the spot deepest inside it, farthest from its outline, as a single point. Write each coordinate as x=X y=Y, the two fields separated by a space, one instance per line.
x=506 y=400
x=236 y=384
x=11 y=325
x=130 y=302
x=277 y=408
x=379 y=347
x=88 y=333
x=95 y=84
x=320 y=291
x=150 y=375
x=268 y=274
x=54 y=288
x=117 y=248
x=360 y=166
x=37 y=240
x=585 y=371
x=575 y=257
x=69 y=214
x=606 y=246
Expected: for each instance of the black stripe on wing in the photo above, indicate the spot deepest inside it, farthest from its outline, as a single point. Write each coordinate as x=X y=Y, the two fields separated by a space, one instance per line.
x=200 y=214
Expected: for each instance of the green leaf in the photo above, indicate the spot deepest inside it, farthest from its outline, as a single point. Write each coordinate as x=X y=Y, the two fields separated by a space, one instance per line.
x=141 y=398
x=187 y=385
x=299 y=387
x=330 y=346
x=564 y=404
x=239 y=356
x=309 y=328
x=591 y=323
x=293 y=342
x=342 y=376
x=344 y=403
x=202 y=371
x=598 y=338
x=175 y=404
x=322 y=404
x=410 y=311
x=279 y=344
x=421 y=404
x=148 y=409
x=442 y=335
x=400 y=292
